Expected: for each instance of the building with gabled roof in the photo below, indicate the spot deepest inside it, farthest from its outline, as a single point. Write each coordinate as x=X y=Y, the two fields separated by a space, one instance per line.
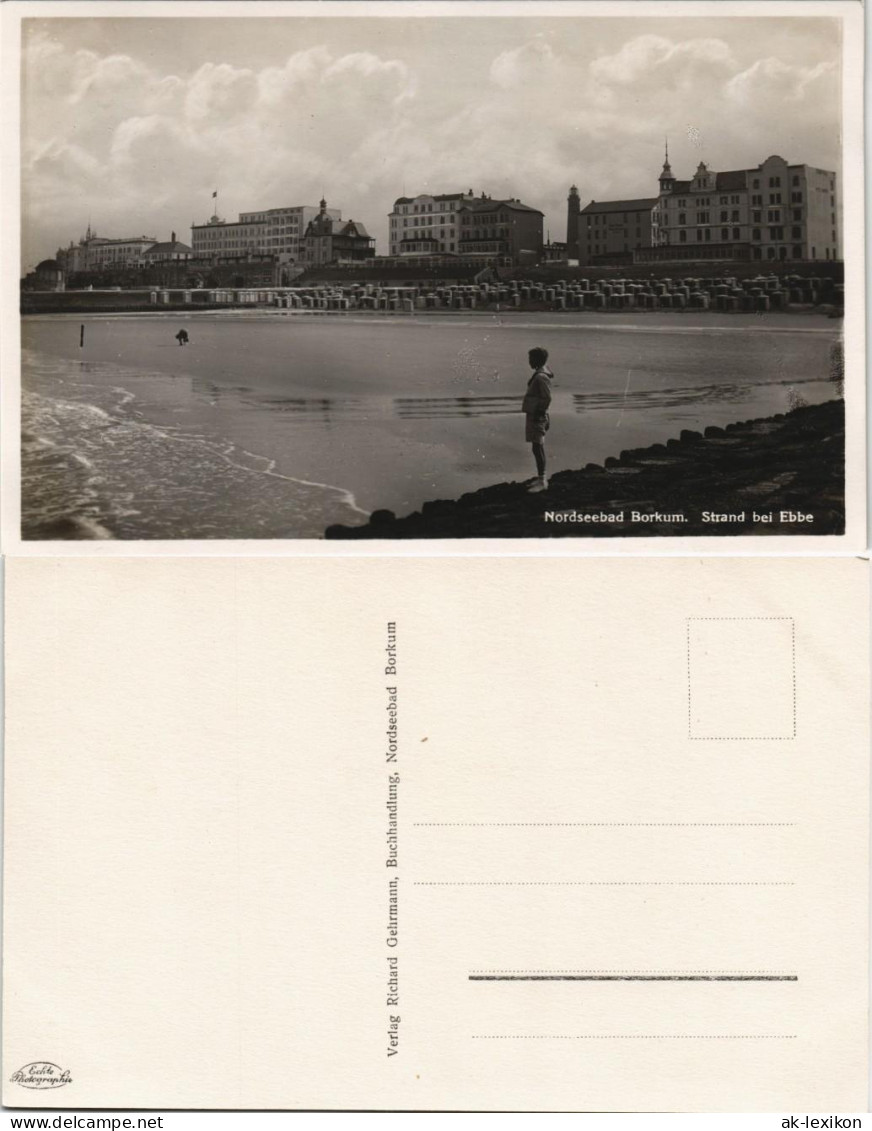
x=776 y=211
x=461 y=223
x=328 y=240
x=614 y=228
x=172 y=251
x=501 y=229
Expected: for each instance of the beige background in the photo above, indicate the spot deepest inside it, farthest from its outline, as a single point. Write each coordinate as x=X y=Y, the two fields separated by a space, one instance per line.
x=196 y=890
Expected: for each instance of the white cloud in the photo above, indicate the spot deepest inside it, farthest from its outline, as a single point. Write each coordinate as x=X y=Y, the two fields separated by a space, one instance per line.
x=139 y=147
x=649 y=57
x=528 y=63
x=773 y=78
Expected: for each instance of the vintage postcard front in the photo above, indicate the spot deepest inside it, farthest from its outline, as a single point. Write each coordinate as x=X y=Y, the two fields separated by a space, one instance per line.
x=282 y=287
x=416 y=834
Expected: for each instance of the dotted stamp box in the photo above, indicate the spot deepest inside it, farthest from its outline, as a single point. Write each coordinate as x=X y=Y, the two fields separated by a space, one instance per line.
x=741 y=678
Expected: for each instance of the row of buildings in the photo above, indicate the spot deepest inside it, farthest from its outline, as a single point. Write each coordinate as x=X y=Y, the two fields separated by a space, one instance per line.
x=452 y=225
x=775 y=211
x=303 y=235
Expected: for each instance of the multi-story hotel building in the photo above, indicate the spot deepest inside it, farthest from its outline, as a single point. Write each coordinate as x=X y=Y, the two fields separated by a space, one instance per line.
x=274 y=231
x=97 y=253
x=460 y=223
x=427 y=225
x=504 y=229
x=104 y=253
x=775 y=211
x=779 y=211
x=613 y=228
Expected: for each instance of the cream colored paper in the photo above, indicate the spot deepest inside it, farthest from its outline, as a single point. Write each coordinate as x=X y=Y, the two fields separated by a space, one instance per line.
x=617 y=770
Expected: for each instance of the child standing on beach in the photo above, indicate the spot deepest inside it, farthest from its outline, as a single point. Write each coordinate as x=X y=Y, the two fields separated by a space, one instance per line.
x=536 y=402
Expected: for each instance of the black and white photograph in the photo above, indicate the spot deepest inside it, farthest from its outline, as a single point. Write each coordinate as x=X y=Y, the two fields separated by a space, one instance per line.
x=435 y=564
x=539 y=272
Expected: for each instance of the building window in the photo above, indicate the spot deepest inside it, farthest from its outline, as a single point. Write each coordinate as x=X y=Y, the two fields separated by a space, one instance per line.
x=776 y=233
x=795 y=179
x=699 y=235
x=735 y=215
x=682 y=217
x=708 y=235
x=797 y=213
x=755 y=235
x=796 y=198
x=755 y=184
x=758 y=199
x=736 y=234
x=775 y=182
x=773 y=215
x=796 y=233
x=724 y=216
x=725 y=234
x=702 y=218
x=797 y=253
x=756 y=216
x=723 y=200
x=682 y=236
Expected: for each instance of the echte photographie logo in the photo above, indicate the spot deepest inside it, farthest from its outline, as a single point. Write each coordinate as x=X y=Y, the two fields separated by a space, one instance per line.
x=41 y=1074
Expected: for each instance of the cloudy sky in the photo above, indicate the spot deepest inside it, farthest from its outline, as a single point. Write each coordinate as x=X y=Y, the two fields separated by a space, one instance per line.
x=133 y=122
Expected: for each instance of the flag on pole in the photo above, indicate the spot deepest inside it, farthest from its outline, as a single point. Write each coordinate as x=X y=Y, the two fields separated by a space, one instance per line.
x=215 y=194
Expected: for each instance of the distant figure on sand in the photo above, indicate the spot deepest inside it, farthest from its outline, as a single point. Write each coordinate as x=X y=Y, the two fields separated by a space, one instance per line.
x=182 y=337
x=536 y=402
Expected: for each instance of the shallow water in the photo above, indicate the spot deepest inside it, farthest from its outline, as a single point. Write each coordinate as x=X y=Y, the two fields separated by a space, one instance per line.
x=271 y=426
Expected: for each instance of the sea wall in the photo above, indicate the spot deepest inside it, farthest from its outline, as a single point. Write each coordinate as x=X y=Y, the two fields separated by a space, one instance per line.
x=777 y=475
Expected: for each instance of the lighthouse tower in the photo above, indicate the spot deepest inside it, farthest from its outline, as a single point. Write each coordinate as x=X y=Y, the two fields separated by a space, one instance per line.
x=572 y=220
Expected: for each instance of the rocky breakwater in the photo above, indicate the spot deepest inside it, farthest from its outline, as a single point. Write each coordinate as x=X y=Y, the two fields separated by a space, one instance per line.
x=778 y=475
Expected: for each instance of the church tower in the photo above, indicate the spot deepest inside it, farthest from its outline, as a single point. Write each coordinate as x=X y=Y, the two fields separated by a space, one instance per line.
x=572 y=221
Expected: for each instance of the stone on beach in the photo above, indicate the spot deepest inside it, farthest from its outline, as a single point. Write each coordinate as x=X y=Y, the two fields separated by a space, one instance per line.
x=792 y=461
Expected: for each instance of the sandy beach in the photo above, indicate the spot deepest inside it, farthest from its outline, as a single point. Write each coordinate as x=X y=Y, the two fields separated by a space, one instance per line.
x=271 y=426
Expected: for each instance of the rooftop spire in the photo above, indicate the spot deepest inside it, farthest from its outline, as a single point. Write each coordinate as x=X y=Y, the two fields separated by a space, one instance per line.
x=666 y=166
x=667 y=181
